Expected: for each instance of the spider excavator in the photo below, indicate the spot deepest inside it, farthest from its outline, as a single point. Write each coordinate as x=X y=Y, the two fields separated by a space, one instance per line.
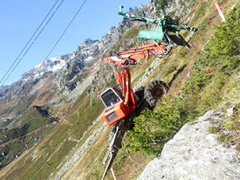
x=122 y=104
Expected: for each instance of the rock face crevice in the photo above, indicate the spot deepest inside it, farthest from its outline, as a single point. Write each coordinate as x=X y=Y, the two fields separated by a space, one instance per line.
x=195 y=154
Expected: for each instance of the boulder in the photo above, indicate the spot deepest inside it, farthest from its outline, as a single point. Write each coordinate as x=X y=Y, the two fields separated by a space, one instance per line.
x=195 y=154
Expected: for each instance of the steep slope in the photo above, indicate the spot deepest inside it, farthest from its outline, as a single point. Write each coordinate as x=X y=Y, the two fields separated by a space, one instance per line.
x=76 y=146
x=208 y=82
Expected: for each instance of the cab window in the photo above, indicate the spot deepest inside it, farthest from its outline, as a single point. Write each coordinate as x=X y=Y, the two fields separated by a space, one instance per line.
x=110 y=98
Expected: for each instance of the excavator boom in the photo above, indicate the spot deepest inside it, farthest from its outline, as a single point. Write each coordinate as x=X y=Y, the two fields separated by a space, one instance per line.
x=137 y=53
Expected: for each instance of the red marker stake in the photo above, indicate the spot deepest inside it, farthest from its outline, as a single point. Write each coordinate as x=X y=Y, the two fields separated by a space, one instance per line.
x=220 y=12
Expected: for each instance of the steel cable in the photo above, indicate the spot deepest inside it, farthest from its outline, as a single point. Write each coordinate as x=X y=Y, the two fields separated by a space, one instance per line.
x=9 y=74
x=66 y=29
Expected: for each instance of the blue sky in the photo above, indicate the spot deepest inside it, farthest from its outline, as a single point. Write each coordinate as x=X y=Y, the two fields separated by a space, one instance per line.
x=19 y=19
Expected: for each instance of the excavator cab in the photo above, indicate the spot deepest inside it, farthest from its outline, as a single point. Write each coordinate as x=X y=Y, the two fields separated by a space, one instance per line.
x=110 y=97
x=115 y=110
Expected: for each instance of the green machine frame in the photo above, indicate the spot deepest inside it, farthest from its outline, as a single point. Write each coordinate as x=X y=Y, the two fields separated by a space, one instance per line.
x=164 y=25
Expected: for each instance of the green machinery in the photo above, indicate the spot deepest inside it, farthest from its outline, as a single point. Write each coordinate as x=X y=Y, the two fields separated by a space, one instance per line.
x=167 y=29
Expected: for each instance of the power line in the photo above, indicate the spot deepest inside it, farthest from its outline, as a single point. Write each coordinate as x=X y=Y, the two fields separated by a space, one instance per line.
x=39 y=35
x=8 y=71
x=66 y=29
x=28 y=41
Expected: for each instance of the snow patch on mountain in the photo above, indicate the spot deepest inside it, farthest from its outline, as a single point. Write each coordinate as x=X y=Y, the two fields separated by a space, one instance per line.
x=90 y=58
x=52 y=64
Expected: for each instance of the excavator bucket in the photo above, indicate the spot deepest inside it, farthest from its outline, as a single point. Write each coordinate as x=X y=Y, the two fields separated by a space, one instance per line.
x=178 y=40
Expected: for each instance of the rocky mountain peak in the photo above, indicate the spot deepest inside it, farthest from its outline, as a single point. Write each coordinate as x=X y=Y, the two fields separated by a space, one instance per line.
x=3 y=87
x=89 y=41
x=3 y=90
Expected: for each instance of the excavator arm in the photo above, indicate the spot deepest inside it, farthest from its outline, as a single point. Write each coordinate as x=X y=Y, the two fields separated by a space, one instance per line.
x=129 y=57
x=123 y=60
x=164 y=24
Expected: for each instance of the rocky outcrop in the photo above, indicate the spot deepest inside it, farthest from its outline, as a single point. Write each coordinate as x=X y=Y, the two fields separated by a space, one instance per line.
x=195 y=154
x=175 y=8
x=3 y=90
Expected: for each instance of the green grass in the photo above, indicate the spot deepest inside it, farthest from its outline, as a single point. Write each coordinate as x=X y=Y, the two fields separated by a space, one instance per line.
x=213 y=69
x=85 y=115
x=154 y=128
x=35 y=123
x=53 y=151
x=213 y=130
x=15 y=149
x=36 y=117
x=201 y=10
x=229 y=130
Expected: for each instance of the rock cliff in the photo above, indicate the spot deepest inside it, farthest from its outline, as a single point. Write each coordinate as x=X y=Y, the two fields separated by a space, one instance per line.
x=195 y=154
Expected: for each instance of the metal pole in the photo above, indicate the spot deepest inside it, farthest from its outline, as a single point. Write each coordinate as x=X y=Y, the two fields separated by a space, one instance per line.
x=114 y=177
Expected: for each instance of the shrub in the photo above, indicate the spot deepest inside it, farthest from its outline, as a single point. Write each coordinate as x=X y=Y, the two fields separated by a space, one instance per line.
x=154 y=128
x=215 y=65
x=224 y=46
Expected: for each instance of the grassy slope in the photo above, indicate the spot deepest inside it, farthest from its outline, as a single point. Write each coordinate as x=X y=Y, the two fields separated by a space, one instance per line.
x=171 y=70
x=56 y=146
x=54 y=149
x=34 y=124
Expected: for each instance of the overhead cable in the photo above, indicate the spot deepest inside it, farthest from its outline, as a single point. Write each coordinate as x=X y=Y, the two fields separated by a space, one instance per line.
x=66 y=29
x=10 y=70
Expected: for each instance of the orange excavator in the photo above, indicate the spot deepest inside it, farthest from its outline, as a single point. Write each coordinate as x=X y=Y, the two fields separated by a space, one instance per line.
x=120 y=100
x=122 y=104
